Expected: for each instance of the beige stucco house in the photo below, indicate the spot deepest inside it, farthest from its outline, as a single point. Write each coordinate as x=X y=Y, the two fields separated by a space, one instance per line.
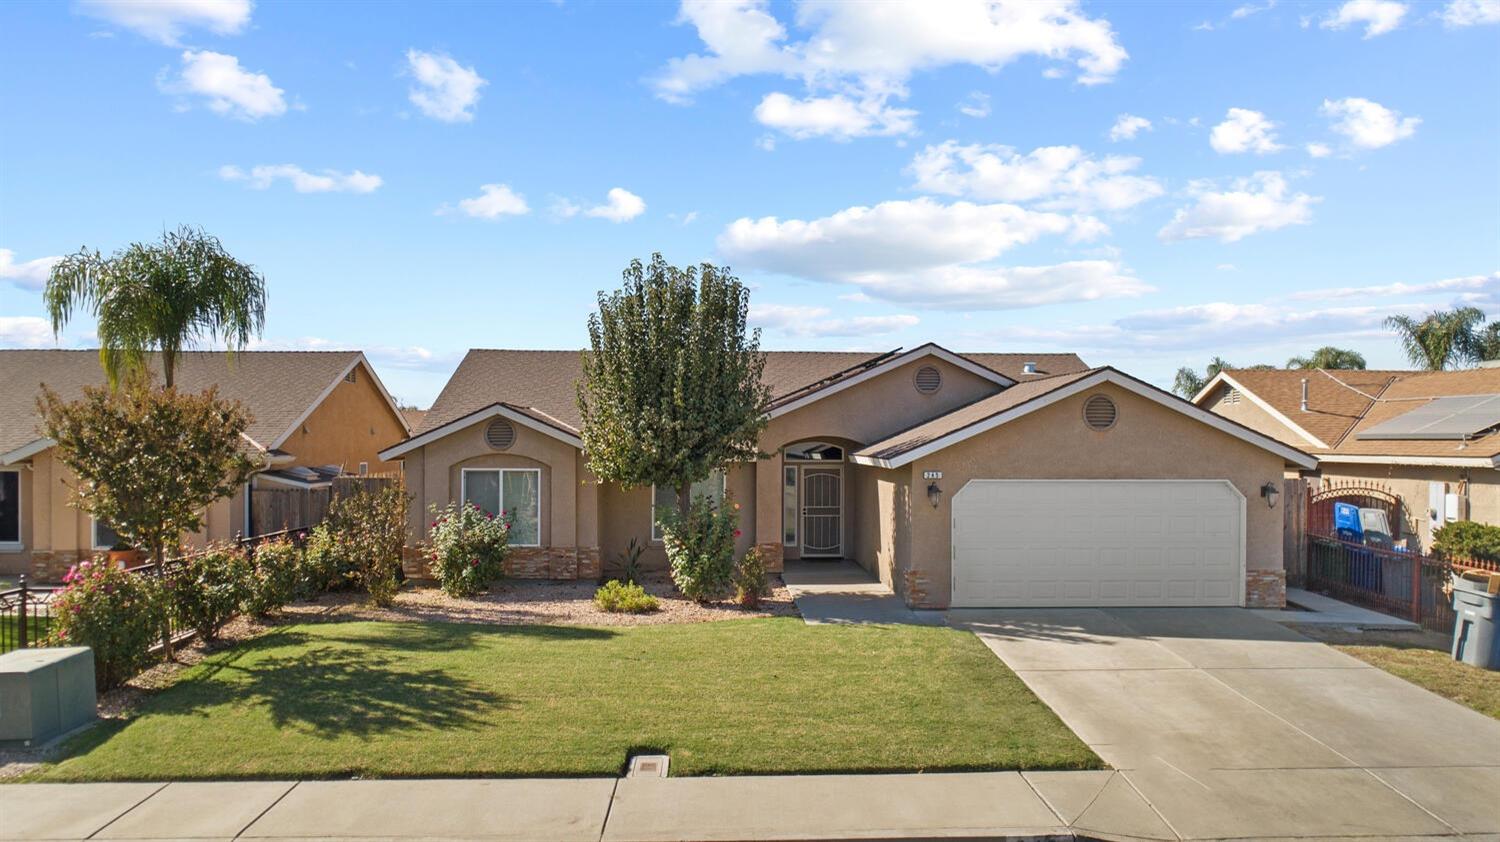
x=323 y=409
x=1430 y=437
x=958 y=479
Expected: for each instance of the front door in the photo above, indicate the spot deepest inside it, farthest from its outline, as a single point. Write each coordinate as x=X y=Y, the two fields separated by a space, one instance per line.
x=822 y=512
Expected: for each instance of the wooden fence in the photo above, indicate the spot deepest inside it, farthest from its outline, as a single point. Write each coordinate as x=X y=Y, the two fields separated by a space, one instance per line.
x=275 y=507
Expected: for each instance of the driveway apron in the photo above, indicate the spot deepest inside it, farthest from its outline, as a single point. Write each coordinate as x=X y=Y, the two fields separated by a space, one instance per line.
x=1230 y=725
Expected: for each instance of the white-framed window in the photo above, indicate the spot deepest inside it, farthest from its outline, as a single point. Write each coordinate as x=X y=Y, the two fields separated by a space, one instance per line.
x=105 y=537
x=10 y=510
x=664 y=499
x=517 y=492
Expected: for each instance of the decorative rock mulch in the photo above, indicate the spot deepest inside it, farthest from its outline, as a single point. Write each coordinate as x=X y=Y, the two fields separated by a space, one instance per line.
x=538 y=601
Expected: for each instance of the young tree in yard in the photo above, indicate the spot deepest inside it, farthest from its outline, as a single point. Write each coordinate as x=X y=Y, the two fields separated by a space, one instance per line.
x=1441 y=339
x=1331 y=358
x=671 y=388
x=164 y=297
x=148 y=461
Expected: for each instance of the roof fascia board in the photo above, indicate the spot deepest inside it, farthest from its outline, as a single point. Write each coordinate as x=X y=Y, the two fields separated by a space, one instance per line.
x=1417 y=461
x=1275 y=413
x=359 y=357
x=928 y=350
x=1107 y=375
x=470 y=420
x=26 y=451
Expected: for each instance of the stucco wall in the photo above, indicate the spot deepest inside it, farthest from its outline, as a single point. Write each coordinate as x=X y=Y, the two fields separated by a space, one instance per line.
x=855 y=417
x=1248 y=413
x=1480 y=486
x=1148 y=441
x=350 y=426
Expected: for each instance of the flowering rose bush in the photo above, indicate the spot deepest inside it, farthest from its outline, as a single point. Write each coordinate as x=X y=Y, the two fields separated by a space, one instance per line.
x=700 y=548
x=750 y=579
x=207 y=590
x=277 y=577
x=119 y=614
x=467 y=546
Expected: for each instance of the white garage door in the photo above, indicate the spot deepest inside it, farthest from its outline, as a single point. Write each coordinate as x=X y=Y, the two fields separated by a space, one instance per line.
x=1036 y=543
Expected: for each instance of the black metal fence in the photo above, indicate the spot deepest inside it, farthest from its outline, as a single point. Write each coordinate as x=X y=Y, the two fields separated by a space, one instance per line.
x=1404 y=584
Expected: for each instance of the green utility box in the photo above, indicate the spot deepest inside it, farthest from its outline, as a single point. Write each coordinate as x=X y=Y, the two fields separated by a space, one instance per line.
x=45 y=693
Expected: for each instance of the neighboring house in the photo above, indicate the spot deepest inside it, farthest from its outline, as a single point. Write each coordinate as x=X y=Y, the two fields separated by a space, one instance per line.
x=322 y=410
x=958 y=479
x=1430 y=437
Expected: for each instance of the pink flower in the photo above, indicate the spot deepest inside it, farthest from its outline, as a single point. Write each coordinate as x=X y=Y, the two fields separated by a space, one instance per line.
x=736 y=533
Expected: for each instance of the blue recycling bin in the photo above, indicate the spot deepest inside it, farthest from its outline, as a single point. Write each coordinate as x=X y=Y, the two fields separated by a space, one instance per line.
x=1364 y=565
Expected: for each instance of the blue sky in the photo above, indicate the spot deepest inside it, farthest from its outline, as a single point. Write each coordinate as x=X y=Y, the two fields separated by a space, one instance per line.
x=1146 y=184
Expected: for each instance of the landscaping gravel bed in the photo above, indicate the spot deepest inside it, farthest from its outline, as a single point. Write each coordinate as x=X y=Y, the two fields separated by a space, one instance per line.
x=539 y=601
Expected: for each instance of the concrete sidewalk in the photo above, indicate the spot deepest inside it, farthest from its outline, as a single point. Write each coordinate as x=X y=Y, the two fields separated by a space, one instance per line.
x=843 y=592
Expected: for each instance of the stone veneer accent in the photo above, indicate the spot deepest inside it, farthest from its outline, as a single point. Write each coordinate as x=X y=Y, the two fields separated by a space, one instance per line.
x=771 y=554
x=914 y=589
x=48 y=566
x=523 y=563
x=1265 y=589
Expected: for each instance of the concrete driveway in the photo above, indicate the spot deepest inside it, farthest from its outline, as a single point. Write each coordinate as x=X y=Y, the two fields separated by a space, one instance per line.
x=1230 y=725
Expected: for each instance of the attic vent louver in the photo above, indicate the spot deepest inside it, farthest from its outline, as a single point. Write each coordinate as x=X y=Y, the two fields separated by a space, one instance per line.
x=929 y=379
x=1099 y=412
x=500 y=434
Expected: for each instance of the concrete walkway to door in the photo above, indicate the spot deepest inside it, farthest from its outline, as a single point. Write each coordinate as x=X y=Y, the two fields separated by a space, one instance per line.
x=1231 y=725
x=840 y=591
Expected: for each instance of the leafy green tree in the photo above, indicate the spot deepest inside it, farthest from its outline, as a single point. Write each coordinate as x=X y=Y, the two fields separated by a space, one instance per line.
x=148 y=461
x=163 y=296
x=1331 y=358
x=671 y=387
x=1488 y=343
x=1441 y=339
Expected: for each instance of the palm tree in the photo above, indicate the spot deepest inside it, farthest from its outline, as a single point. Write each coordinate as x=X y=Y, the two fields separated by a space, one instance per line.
x=1329 y=357
x=1441 y=339
x=1189 y=382
x=1488 y=343
x=163 y=296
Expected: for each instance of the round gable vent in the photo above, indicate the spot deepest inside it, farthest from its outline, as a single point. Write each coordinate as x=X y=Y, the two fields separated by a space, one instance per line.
x=928 y=379
x=500 y=434
x=1099 y=412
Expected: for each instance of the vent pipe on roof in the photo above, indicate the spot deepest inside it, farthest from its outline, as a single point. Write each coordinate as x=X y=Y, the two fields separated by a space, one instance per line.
x=1304 y=394
x=1028 y=368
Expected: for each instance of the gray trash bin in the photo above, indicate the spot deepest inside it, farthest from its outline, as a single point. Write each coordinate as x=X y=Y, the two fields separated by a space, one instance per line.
x=1474 y=638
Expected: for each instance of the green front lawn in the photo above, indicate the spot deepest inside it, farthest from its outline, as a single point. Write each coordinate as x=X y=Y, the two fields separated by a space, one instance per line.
x=10 y=631
x=1424 y=659
x=431 y=699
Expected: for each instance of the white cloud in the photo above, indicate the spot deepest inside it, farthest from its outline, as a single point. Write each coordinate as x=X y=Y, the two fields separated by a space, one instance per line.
x=865 y=53
x=493 y=202
x=263 y=176
x=31 y=274
x=1460 y=13
x=1244 y=130
x=166 y=20
x=620 y=205
x=837 y=117
x=1318 y=150
x=1251 y=205
x=1368 y=125
x=444 y=90
x=1468 y=285
x=1127 y=126
x=1377 y=16
x=1249 y=9
x=230 y=90
x=1057 y=177
x=25 y=332
x=976 y=105
x=796 y=320
x=929 y=254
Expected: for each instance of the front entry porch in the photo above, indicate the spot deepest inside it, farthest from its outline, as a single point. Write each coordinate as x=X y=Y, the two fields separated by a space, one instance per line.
x=841 y=591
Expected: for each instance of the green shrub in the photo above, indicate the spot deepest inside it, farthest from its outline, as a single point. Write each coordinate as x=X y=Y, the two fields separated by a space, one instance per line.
x=700 y=548
x=750 y=579
x=1467 y=539
x=324 y=564
x=118 y=614
x=468 y=548
x=369 y=530
x=208 y=589
x=628 y=564
x=617 y=597
x=277 y=577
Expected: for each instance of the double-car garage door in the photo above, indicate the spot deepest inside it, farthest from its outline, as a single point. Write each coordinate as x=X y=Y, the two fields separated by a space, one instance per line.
x=1048 y=543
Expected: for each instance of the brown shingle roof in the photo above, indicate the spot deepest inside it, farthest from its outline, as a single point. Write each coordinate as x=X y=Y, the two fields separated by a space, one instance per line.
x=545 y=380
x=276 y=387
x=965 y=416
x=1337 y=413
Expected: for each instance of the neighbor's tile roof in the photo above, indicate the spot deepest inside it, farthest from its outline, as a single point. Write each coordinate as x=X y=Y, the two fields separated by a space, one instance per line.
x=966 y=416
x=276 y=387
x=545 y=381
x=1337 y=411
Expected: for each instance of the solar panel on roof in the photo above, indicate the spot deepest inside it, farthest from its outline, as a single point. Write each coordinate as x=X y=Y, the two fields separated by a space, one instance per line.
x=1440 y=419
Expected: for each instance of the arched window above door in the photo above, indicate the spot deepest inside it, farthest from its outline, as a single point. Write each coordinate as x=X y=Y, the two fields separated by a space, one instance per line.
x=813 y=451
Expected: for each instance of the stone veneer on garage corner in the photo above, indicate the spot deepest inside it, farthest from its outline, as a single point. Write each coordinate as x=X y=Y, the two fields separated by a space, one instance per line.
x=1265 y=589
